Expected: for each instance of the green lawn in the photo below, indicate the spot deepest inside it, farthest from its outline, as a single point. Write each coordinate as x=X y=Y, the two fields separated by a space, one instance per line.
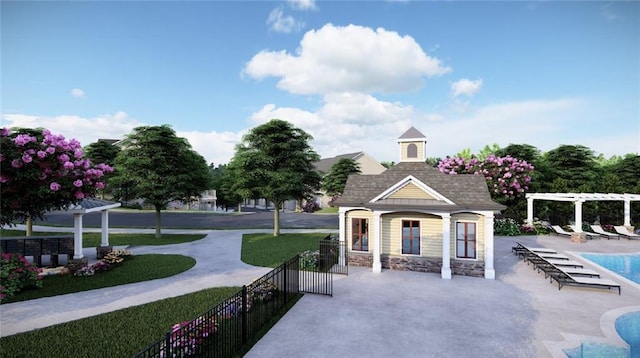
x=270 y=251
x=133 y=269
x=327 y=210
x=92 y=239
x=122 y=333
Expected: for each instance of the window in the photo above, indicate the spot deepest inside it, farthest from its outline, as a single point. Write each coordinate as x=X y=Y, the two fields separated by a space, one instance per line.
x=411 y=237
x=466 y=240
x=359 y=234
x=412 y=151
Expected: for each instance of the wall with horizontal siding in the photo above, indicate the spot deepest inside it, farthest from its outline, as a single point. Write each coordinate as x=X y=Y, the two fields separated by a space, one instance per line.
x=410 y=191
x=430 y=233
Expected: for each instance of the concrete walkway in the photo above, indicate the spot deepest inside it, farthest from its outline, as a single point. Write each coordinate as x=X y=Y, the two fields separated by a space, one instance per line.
x=394 y=313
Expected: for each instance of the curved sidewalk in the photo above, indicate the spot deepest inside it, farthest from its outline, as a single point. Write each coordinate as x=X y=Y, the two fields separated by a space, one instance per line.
x=217 y=264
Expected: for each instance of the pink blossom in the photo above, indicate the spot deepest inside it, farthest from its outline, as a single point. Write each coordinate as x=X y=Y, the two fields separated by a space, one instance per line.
x=3 y=179
x=41 y=154
x=63 y=157
x=99 y=185
x=16 y=163
x=50 y=150
x=55 y=186
x=79 y=195
x=5 y=132
x=68 y=165
x=27 y=158
x=77 y=183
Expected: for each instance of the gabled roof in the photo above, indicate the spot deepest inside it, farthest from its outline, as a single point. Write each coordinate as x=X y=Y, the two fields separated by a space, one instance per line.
x=89 y=205
x=325 y=164
x=411 y=134
x=463 y=191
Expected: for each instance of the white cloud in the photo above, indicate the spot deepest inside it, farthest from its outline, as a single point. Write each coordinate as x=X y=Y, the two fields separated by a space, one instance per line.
x=337 y=59
x=77 y=93
x=85 y=130
x=217 y=148
x=279 y=22
x=302 y=4
x=466 y=87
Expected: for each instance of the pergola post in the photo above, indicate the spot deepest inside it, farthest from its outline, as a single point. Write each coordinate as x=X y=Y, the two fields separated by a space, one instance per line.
x=445 y=272
x=104 y=216
x=77 y=237
x=578 y=214
x=627 y=212
x=529 y=211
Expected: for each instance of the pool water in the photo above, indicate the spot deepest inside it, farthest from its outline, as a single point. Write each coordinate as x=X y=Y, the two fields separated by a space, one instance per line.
x=628 y=327
x=627 y=266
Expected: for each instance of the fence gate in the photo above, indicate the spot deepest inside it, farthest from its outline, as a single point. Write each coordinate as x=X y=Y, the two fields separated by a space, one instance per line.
x=334 y=256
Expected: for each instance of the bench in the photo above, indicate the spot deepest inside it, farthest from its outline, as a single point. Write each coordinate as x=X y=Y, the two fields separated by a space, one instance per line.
x=38 y=246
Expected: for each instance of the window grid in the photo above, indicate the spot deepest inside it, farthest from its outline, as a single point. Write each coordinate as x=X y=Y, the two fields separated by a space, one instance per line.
x=411 y=237
x=466 y=240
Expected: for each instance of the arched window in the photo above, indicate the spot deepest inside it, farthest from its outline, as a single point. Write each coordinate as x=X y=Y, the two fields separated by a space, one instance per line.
x=412 y=151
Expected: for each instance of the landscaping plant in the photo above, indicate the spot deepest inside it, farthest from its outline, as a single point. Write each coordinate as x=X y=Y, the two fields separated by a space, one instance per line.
x=16 y=273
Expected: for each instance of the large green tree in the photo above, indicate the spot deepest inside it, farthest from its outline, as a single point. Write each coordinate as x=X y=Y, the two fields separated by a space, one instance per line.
x=159 y=167
x=102 y=151
x=275 y=161
x=333 y=183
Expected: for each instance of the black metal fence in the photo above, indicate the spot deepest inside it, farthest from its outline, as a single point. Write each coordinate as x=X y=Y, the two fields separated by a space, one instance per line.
x=228 y=329
x=333 y=256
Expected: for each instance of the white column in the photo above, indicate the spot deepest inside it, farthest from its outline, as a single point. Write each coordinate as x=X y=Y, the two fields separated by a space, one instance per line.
x=77 y=236
x=627 y=212
x=529 y=212
x=377 y=265
x=445 y=272
x=105 y=228
x=342 y=232
x=578 y=213
x=489 y=271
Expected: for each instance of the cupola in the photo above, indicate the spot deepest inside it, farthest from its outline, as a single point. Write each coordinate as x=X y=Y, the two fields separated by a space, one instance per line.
x=413 y=146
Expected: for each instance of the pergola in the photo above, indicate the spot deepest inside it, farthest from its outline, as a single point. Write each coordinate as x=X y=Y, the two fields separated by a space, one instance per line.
x=86 y=206
x=578 y=199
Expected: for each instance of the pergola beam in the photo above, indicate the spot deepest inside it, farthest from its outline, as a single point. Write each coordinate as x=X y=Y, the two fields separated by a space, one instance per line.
x=578 y=199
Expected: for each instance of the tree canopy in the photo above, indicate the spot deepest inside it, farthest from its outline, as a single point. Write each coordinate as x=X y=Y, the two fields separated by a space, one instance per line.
x=41 y=171
x=275 y=161
x=159 y=167
x=333 y=183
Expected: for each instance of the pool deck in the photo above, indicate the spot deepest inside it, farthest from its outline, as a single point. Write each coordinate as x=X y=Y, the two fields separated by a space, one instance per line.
x=566 y=317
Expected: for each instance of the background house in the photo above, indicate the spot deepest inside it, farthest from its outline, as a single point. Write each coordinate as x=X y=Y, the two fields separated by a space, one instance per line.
x=414 y=217
x=367 y=164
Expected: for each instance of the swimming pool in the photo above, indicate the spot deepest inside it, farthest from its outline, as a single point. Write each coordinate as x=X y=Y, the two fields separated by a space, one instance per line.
x=627 y=266
x=628 y=328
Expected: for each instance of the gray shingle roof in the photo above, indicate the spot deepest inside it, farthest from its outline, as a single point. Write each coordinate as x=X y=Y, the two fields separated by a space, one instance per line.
x=412 y=133
x=466 y=191
x=325 y=164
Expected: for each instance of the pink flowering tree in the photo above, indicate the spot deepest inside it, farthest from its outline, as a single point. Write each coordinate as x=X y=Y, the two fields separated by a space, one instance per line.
x=41 y=171
x=508 y=178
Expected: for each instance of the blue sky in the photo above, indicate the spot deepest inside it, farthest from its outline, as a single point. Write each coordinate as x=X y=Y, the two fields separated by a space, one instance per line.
x=354 y=74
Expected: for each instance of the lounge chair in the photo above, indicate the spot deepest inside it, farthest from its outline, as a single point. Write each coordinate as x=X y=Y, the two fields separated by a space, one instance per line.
x=590 y=235
x=565 y=279
x=551 y=270
x=560 y=231
x=520 y=250
x=600 y=231
x=626 y=233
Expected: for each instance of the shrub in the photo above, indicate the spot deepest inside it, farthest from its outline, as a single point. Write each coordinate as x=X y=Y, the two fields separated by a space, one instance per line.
x=110 y=260
x=310 y=207
x=309 y=260
x=16 y=273
x=506 y=227
x=528 y=230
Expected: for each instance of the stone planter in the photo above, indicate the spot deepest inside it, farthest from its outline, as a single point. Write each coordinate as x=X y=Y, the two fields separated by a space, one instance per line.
x=578 y=237
x=102 y=251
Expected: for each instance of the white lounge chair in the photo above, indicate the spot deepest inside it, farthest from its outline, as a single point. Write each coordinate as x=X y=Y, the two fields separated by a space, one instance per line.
x=600 y=231
x=626 y=233
x=560 y=231
x=590 y=235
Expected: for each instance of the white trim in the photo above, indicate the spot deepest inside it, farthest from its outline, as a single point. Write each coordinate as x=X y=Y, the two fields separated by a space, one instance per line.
x=583 y=196
x=410 y=179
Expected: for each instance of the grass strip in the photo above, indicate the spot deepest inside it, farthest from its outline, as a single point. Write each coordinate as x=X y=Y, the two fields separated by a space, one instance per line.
x=267 y=250
x=133 y=269
x=93 y=239
x=121 y=333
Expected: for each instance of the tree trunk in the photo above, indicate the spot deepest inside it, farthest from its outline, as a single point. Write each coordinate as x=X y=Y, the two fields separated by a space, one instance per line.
x=276 y=219
x=240 y=207
x=158 y=223
x=29 y=226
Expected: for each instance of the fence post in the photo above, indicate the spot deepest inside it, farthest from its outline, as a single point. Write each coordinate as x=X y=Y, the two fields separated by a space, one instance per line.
x=286 y=287
x=167 y=345
x=244 y=316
